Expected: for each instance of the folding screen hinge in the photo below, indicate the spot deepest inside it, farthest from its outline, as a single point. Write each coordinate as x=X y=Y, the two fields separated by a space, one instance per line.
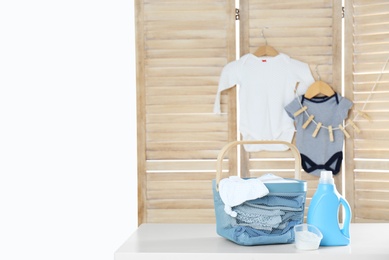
x=342 y=11
x=237 y=15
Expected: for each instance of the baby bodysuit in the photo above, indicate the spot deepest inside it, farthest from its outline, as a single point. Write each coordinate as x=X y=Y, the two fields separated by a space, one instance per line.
x=266 y=86
x=319 y=153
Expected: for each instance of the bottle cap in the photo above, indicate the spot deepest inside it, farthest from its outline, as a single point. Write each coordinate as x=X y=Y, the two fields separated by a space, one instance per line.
x=326 y=177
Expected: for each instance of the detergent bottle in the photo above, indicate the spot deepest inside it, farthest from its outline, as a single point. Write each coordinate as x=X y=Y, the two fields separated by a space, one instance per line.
x=323 y=212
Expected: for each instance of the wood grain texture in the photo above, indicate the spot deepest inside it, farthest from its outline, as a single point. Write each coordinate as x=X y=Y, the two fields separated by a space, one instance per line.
x=182 y=47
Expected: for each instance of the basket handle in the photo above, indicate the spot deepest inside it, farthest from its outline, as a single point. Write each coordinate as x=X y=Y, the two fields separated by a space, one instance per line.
x=227 y=147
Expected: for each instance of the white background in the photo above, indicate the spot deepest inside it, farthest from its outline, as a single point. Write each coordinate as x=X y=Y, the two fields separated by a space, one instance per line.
x=67 y=128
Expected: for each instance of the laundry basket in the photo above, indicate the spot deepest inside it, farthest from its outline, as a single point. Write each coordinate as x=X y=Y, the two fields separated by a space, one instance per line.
x=266 y=220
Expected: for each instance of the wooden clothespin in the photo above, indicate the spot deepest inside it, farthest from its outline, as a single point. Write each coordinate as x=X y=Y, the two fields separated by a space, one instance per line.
x=298 y=112
x=331 y=133
x=309 y=120
x=364 y=115
x=344 y=131
x=317 y=129
x=356 y=128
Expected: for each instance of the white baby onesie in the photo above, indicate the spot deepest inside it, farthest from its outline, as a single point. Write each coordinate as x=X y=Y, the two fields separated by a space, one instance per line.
x=266 y=86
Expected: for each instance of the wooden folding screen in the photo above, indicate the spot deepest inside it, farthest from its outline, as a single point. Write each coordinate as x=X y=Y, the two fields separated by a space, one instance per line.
x=182 y=46
x=367 y=84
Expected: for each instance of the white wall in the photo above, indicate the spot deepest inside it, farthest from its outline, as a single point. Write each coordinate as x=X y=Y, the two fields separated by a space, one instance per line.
x=67 y=128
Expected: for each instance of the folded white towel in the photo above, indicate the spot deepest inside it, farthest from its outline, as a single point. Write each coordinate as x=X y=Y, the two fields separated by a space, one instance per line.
x=235 y=190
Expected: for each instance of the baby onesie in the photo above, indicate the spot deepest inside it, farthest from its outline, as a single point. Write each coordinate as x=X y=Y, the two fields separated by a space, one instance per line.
x=266 y=86
x=319 y=153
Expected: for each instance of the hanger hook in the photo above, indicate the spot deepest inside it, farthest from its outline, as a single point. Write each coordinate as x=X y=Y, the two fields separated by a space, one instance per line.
x=317 y=72
x=263 y=35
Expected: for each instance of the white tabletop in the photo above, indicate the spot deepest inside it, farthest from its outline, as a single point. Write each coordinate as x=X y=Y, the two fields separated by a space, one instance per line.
x=200 y=242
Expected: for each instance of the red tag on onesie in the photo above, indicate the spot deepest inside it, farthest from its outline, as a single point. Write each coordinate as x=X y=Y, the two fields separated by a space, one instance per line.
x=264 y=60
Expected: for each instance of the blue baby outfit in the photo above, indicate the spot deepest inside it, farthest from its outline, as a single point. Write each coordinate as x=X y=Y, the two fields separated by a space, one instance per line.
x=319 y=153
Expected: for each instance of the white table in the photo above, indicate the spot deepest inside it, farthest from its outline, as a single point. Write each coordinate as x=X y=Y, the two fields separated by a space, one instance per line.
x=200 y=242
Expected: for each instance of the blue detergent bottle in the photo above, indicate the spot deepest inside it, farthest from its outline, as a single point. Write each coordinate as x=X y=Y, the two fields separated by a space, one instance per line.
x=323 y=212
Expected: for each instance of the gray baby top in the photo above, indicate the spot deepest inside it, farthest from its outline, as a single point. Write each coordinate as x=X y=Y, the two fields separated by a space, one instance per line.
x=319 y=153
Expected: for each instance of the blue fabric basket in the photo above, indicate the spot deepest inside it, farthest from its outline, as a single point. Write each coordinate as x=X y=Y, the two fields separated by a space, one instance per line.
x=266 y=220
x=255 y=223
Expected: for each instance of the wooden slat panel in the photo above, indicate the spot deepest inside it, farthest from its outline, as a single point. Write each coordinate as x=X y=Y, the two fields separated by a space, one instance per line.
x=181 y=204
x=375 y=213
x=265 y=4
x=372 y=48
x=374 y=176
x=367 y=40
x=280 y=32
x=372 y=195
x=372 y=185
x=182 y=48
x=180 y=165
x=284 y=12
x=270 y=154
x=181 y=176
x=369 y=78
x=177 y=118
x=280 y=173
x=274 y=164
x=371 y=144
x=372 y=165
x=375 y=116
x=172 y=185
x=164 y=7
x=186 y=62
x=362 y=203
x=181 y=216
x=371 y=28
x=378 y=154
x=361 y=97
x=177 y=83
x=182 y=109
x=305 y=30
x=372 y=105
x=188 y=138
x=382 y=8
x=372 y=67
x=184 y=127
x=181 y=194
x=366 y=3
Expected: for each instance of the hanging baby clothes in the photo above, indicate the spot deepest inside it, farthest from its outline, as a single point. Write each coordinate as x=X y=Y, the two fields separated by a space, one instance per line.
x=318 y=150
x=266 y=85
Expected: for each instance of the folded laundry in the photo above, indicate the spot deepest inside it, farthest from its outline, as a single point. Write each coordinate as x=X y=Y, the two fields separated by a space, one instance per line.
x=246 y=235
x=258 y=218
x=266 y=217
x=235 y=190
x=266 y=220
x=292 y=202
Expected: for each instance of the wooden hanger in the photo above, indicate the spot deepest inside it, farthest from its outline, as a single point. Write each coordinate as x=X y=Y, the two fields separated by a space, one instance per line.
x=319 y=88
x=265 y=50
